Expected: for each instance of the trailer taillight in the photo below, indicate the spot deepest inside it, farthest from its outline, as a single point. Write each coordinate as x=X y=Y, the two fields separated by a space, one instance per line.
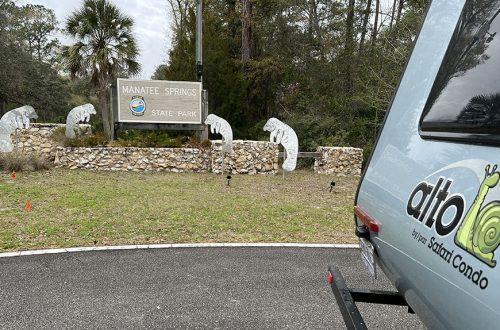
x=367 y=220
x=329 y=277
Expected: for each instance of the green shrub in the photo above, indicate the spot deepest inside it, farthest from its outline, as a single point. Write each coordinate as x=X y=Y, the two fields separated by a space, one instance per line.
x=18 y=162
x=12 y=162
x=367 y=150
x=131 y=138
x=59 y=135
x=193 y=142
x=149 y=139
x=87 y=141
x=39 y=163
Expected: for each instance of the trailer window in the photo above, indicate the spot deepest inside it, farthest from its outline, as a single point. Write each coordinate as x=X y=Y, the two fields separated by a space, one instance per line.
x=464 y=102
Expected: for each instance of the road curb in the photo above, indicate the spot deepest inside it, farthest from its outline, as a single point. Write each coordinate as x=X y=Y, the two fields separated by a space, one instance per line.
x=173 y=246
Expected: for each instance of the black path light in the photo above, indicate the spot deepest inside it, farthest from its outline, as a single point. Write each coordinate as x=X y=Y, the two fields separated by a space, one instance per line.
x=228 y=180
x=332 y=186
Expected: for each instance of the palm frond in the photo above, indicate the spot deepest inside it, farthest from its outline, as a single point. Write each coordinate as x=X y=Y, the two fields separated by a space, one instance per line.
x=105 y=44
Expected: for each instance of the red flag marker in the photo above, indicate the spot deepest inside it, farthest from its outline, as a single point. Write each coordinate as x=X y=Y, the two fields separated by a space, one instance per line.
x=27 y=206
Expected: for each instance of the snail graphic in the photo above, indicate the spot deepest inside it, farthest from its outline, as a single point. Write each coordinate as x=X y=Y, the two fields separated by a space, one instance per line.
x=479 y=233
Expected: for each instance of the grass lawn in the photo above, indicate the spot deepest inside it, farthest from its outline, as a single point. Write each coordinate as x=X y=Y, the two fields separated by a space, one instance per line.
x=82 y=208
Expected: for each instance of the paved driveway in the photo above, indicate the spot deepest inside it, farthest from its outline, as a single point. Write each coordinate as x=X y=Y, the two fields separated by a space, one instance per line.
x=185 y=288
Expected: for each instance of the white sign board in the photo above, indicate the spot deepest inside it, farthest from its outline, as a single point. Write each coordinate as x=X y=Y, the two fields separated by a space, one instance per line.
x=159 y=101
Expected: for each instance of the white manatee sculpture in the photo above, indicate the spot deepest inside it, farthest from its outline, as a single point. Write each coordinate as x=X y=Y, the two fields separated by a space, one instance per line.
x=221 y=126
x=76 y=115
x=284 y=134
x=15 y=119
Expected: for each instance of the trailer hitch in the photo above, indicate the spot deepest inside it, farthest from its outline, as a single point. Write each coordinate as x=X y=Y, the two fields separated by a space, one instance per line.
x=346 y=299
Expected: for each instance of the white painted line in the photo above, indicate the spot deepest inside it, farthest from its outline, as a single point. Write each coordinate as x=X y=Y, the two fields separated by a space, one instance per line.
x=176 y=246
x=11 y=254
x=47 y=251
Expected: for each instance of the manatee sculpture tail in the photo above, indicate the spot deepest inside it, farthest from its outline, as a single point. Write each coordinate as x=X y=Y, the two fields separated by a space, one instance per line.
x=284 y=134
x=221 y=126
x=76 y=115
x=6 y=143
x=13 y=120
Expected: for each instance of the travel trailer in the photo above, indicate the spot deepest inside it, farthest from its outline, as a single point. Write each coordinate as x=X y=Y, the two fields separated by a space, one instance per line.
x=428 y=205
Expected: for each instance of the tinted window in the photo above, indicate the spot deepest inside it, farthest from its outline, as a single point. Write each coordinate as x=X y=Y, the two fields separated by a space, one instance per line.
x=465 y=98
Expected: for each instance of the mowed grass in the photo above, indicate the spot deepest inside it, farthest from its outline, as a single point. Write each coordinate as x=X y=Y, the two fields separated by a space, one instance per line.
x=82 y=208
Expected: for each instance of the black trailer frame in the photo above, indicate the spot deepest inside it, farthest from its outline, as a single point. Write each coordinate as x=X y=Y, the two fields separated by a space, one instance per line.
x=347 y=298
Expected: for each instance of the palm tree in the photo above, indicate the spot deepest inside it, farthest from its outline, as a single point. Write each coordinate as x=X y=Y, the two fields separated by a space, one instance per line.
x=104 y=49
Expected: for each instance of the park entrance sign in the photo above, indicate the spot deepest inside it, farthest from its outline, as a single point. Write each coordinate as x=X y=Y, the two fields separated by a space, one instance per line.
x=159 y=102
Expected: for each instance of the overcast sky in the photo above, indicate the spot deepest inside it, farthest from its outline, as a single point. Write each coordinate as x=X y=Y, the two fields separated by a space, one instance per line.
x=151 y=28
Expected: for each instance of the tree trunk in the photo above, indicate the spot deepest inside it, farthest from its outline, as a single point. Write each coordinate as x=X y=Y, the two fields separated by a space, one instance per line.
x=400 y=10
x=375 y=23
x=314 y=28
x=179 y=10
x=364 y=29
x=233 y=27
x=310 y=29
x=111 y=93
x=393 y=13
x=246 y=36
x=349 y=45
x=246 y=44
x=104 y=108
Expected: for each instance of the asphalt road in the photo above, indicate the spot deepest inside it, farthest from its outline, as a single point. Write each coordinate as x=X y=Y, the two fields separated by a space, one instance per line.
x=186 y=288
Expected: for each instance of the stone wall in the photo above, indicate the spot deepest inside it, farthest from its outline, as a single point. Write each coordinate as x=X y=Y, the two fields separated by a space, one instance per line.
x=247 y=157
x=339 y=160
x=37 y=139
x=134 y=159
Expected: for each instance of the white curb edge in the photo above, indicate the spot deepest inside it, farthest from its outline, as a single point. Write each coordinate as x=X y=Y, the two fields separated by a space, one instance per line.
x=170 y=246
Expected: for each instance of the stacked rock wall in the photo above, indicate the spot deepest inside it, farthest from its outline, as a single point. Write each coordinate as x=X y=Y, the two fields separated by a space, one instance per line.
x=38 y=139
x=339 y=160
x=247 y=157
x=134 y=159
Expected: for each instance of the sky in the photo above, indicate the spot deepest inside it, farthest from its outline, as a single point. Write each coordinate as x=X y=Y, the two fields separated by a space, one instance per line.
x=151 y=28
